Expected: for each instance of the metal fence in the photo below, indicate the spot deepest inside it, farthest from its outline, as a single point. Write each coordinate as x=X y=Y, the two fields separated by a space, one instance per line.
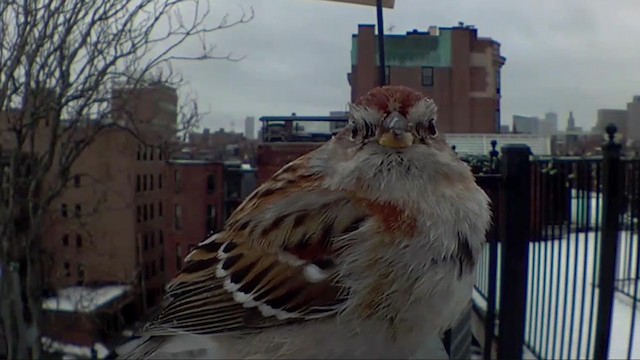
x=563 y=250
x=561 y=298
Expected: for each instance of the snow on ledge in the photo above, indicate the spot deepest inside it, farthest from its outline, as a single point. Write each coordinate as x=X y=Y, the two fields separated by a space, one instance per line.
x=53 y=346
x=84 y=299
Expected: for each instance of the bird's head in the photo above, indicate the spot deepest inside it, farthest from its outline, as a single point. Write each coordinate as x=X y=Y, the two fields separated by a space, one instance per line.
x=391 y=138
x=391 y=119
x=395 y=118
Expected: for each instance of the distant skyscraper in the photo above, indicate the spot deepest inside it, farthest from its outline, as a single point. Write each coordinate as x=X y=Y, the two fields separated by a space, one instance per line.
x=250 y=127
x=633 y=122
x=533 y=125
x=571 y=122
x=525 y=124
x=618 y=117
x=551 y=123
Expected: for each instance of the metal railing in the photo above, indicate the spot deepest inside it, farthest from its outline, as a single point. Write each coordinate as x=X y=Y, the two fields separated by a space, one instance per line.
x=563 y=251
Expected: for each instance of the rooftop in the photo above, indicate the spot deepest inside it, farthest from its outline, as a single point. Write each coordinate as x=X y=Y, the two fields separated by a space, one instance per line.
x=84 y=299
x=304 y=118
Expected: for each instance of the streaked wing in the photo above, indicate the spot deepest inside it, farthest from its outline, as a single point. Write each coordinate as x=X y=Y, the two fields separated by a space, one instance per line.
x=273 y=264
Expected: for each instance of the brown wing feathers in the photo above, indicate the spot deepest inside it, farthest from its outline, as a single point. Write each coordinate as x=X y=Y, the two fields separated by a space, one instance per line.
x=273 y=264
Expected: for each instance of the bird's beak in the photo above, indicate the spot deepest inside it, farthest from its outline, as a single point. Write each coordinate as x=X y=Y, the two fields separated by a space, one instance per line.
x=394 y=132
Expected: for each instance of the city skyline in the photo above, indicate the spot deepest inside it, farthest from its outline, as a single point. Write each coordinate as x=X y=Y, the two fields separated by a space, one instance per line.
x=301 y=67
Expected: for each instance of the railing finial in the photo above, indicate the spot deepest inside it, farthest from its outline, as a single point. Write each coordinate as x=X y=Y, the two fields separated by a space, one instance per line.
x=611 y=130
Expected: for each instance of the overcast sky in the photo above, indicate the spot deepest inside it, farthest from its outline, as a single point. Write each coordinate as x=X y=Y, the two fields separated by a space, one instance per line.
x=562 y=55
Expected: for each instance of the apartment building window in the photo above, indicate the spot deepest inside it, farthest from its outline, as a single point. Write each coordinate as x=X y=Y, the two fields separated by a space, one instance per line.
x=146 y=242
x=151 y=151
x=178 y=217
x=153 y=268
x=65 y=240
x=63 y=210
x=387 y=75
x=159 y=181
x=151 y=207
x=138 y=246
x=211 y=183
x=67 y=269
x=161 y=264
x=178 y=257
x=144 y=152
x=81 y=271
x=152 y=240
x=144 y=212
x=150 y=182
x=78 y=210
x=177 y=178
x=159 y=153
x=160 y=237
x=78 y=241
x=211 y=219
x=146 y=271
x=76 y=181
x=144 y=182
x=139 y=153
x=159 y=208
x=139 y=211
x=427 y=76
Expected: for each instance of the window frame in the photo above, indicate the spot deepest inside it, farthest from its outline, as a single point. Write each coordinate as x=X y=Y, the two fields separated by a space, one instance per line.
x=422 y=75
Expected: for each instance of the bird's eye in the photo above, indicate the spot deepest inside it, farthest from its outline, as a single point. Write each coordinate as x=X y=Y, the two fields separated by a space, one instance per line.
x=427 y=129
x=431 y=128
x=354 y=132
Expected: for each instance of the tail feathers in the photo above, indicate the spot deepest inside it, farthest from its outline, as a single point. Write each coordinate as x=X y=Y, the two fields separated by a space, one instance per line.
x=140 y=348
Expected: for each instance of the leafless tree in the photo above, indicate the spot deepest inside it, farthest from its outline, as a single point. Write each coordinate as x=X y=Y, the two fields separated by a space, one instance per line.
x=59 y=63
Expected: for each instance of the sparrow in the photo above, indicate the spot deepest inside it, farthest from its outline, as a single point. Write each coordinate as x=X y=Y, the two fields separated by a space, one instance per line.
x=362 y=248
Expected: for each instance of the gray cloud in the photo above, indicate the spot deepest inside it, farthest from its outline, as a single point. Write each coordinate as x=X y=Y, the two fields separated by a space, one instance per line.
x=577 y=55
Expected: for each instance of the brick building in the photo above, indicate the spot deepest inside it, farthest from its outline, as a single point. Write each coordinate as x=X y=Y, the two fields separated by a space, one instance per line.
x=119 y=179
x=108 y=226
x=456 y=67
x=196 y=207
x=202 y=194
x=222 y=145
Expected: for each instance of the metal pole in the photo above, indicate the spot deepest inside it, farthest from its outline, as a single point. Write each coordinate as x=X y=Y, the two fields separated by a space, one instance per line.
x=611 y=203
x=381 y=43
x=516 y=173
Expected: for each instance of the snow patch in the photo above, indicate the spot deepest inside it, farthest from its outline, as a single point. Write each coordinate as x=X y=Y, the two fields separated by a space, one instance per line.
x=562 y=296
x=70 y=351
x=84 y=299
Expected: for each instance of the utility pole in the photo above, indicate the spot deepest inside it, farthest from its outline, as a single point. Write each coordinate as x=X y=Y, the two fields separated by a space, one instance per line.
x=379 y=4
x=381 y=57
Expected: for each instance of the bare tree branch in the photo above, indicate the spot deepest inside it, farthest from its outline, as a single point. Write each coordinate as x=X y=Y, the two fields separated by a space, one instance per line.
x=62 y=65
